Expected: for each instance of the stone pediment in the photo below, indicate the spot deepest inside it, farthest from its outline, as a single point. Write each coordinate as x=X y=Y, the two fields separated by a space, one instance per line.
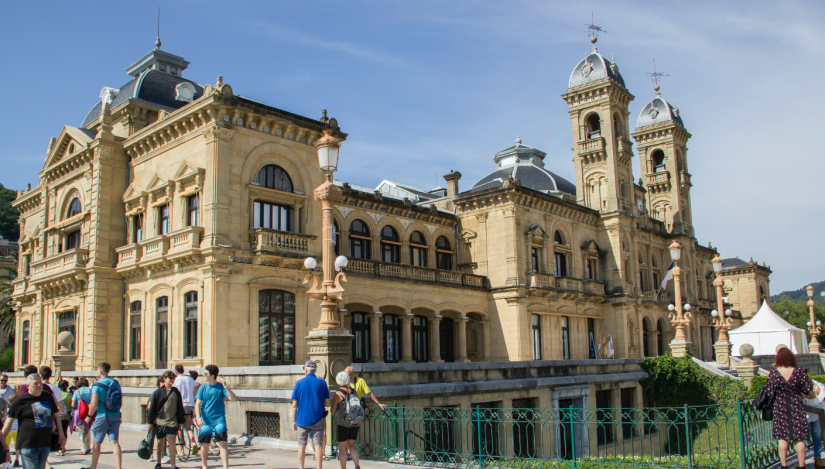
x=591 y=246
x=61 y=146
x=186 y=169
x=536 y=231
x=133 y=192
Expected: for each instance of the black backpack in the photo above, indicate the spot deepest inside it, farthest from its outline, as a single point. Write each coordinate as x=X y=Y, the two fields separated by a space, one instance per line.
x=764 y=403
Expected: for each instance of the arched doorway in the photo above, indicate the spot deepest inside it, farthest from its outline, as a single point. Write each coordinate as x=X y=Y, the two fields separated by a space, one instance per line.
x=660 y=350
x=445 y=335
x=645 y=337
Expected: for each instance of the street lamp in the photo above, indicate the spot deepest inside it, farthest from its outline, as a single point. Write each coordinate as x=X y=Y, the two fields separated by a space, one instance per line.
x=330 y=290
x=722 y=323
x=678 y=319
x=813 y=324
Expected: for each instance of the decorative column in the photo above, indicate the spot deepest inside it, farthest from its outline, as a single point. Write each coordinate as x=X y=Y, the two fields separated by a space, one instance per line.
x=406 y=338
x=813 y=325
x=216 y=191
x=722 y=321
x=376 y=325
x=435 y=339
x=462 y=339
x=485 y=342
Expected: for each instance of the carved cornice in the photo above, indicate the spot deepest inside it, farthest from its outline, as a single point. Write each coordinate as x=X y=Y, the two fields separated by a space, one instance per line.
x=214 y=133
x=329 y=192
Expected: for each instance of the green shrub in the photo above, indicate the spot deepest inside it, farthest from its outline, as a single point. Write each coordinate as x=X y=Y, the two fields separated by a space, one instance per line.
x=756 y=384
x=7 y=358
x=674 y=382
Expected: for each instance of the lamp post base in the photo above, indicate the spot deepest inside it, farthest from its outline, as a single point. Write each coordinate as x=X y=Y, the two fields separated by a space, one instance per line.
x=679 y=348
x=723 y=352
x=815 y=347
x=332 y=350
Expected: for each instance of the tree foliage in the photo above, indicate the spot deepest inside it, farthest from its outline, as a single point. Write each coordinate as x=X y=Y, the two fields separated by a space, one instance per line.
x=674 y=382
x=799 y=314
x=9 y=228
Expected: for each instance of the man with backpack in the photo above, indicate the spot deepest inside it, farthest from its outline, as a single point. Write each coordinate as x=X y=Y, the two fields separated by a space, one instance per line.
x=105 y=391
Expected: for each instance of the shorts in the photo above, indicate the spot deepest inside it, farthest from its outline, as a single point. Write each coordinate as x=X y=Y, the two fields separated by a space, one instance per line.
x=318 y=429
x=161 y=431
x=206 y=430
x=189 y=410
x=343 y=434
x=106 y=426
x=11 y=437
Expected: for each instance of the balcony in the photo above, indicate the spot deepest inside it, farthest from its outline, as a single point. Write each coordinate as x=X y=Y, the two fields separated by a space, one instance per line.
x=65 y=270
x=185 y=242
x=655 y=296
x=421 y=274
x=684 y=178
x=538 y=280
x=593 y=145
x=594 y=288
x=625 y=145
x=128 y=256
x=178 y=247
x=265 y=240
x=658 y=178
x=567 y=283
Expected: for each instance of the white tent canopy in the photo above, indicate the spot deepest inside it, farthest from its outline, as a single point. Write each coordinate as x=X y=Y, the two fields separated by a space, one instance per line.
x=765 y=331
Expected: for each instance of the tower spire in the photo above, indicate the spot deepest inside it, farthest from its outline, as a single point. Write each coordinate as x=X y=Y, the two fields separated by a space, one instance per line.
x=594 y=31
x=655 y=78
x=157 y=41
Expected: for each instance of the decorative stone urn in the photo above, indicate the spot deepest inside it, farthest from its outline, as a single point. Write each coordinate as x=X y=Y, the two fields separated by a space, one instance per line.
x=748 y=368
x=66 y=358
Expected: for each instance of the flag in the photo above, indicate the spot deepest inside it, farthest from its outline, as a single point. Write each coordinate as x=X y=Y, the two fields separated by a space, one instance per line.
x=604 y=346
x=592 y=347
x=609 y=347
x=668 y=276
x=334 y=237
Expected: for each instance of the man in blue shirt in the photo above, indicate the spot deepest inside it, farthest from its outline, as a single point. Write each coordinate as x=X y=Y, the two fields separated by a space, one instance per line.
x=107 y=423
x=211 y=413
x=310 y=398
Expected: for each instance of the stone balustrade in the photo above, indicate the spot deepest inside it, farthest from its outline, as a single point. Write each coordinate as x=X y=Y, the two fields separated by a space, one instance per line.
x=277 y=241
x=592 y=145
x=66 y=263
x=185 y=240
x=567 y=283
x=659 y=178
x=409 y=272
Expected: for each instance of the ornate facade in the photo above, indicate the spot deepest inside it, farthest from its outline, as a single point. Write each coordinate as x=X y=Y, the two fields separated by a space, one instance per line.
x=171 y=227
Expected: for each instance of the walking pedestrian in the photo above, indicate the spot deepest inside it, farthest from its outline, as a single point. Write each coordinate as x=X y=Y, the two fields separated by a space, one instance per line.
x=151 y=442
x=348 y=415
x=106 y=402
x=310 y=398
x=27 y=370
x=165 y=416
x=186 y=385
x=361 y=388
x=83 y=429
x=12 y=436
x=38 y=416
x=6 y=390
x=786 y=385
x=65 y=413
x=45 y=376
x=211 y=413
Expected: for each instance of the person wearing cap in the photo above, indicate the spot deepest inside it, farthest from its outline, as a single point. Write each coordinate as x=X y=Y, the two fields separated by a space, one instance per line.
x=310 y=398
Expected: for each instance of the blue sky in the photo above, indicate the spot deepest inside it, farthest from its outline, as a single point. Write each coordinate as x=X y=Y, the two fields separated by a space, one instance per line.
x=428 y=86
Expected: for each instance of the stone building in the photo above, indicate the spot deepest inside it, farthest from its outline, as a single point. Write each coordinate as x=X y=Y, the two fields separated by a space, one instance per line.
x=171 y=227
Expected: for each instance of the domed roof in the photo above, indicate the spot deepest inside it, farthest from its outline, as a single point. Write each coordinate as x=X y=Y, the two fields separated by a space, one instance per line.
x=595 y=67
x=526 y=164
x=657 y=111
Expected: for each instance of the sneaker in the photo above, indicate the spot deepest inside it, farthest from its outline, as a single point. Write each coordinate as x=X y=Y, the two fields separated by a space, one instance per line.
x=165 y=460
x=16 y=463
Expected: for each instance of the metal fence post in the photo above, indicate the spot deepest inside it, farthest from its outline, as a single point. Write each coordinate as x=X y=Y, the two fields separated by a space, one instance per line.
x=741 y=435
x=403 y=435
x=688 y=437
x=478 y=435
x=572 y=437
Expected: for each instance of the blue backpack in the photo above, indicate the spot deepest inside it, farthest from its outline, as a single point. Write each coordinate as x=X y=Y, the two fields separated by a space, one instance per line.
x=114 y=398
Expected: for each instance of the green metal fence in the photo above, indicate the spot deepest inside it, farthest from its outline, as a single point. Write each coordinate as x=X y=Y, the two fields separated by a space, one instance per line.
x=716 y=436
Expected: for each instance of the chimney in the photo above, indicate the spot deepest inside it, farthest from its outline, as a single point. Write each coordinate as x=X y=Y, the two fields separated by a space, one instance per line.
x=452 y=187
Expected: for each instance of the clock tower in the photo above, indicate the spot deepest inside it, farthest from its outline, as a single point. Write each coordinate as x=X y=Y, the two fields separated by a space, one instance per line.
x=662 y=141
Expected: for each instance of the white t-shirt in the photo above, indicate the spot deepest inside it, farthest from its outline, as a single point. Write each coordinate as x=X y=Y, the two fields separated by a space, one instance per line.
x=186 y=385
x=57 y=395
x=818 y=402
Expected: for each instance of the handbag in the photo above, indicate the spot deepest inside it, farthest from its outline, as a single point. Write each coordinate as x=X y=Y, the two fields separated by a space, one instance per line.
x=144 y=451
x=764 y=403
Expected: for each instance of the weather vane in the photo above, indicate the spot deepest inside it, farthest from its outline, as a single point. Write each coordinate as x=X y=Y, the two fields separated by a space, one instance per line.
x=655 y=77
x=592 y=28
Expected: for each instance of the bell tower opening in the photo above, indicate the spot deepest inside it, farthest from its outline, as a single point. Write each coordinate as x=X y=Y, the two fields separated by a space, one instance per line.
x=593 y=126
x=658 y=160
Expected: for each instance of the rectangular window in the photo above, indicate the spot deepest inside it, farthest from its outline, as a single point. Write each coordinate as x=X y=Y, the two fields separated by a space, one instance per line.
x=134 y=330
x=163 y=219
x=162 y=67
x=24 y=352
x=591 y=337
x=272 y=216
x=591 y=269
x=174 y=71
x=27 y=259
x=536 y=326
x=561 y=264
x=361 y=337
x=276 y=327
x=163 y=331
x=418 y=256
x=191 y=324
x=66 y=321
x=420 y=339
x=73 y=240
x=138 y=228
x=565 y=337
x=193 y=205
x=534 y=257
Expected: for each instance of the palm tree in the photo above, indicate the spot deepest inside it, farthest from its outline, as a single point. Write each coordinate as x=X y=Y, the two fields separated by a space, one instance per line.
x=7 y=316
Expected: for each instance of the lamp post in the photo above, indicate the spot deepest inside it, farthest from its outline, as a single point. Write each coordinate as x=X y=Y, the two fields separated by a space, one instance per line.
x=721 y=321
x=329 y=344
x=678 y=319
x=813 y=325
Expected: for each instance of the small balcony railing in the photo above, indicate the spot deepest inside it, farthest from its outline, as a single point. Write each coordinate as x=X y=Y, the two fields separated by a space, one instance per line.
x=592 y=145
x=183 y=242
x=66 y=263
x=265 y=239
x=408 y=272
x=594 y=288
x=658 y=177
x=539 y=280
x=567 y=283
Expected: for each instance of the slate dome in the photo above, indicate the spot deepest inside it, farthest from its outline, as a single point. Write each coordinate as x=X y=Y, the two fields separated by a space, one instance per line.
x=657 y=111
x=594 y=67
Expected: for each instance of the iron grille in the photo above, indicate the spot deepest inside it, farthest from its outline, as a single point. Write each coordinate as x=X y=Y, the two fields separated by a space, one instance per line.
x=265 y=424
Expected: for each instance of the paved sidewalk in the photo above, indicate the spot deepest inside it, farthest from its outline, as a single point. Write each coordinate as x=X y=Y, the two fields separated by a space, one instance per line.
x=239 y=456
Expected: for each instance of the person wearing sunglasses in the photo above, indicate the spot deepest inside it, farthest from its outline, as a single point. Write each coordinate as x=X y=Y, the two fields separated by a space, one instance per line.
x=6 y=390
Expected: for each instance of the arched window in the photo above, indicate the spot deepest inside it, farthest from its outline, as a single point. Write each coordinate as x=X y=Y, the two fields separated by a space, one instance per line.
x=420 y=338
x=24 y=352
x=390 y=245
x=660 y=349
x=190 y=322
x=761 y=291
x=593 y=126
x=658 y=160
x=274 y=177
x=557 y=238
x=645 y=337
x=74 y=208
x=392 y=338
x=276 y=327
x=361 y=337
x=623 y=188
x=445 y=339
x=66 y=321
x=653 y=262
x=535 y=324
x=443 y=254
x=134 y=330
x=359 y=240
x=418 y=249
x=162 y=312
x=616 y=130
x=565 y=337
